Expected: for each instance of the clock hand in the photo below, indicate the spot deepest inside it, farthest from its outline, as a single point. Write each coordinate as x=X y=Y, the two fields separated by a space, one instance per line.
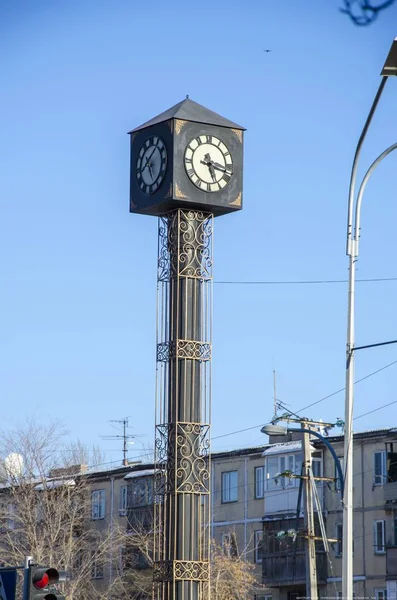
x=154 y=150
x=148 y=164
x=219 y=167
x=209 y=164
x=149 y=157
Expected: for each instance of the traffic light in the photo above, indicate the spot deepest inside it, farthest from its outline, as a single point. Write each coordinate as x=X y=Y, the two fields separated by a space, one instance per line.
x=41 y=584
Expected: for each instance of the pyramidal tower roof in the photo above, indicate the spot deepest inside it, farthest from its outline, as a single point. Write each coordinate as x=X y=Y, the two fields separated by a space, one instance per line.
x=188 y=110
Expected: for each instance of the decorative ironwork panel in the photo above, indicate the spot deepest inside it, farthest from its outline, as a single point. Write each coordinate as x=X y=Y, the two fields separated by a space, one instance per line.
x=193 y=350
x=191 y=569
x=179 y=570
x=184 y=447
x=162 y=570
x=185 y=245
x=191 y=465
x=167 y=351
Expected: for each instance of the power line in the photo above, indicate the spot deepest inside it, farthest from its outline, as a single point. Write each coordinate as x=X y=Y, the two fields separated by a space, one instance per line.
x=321 y=400
x=306 y=282
x=375 y=409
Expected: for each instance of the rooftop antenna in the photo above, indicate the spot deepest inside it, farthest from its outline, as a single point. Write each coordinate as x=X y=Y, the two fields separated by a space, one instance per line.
x=123 y=435
x=274 y=394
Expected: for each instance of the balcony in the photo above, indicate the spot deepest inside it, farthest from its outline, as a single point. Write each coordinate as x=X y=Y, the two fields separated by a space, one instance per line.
x=391 y=562
x=140 y=518
x=390 y=491
x=290 y=569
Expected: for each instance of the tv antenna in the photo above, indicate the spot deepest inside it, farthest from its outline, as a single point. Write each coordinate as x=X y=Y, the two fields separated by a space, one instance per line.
x=123 y=435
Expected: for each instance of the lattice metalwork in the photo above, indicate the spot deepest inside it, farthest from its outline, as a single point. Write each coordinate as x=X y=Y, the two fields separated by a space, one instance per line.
x=181 y=570
x=184 y=334
x=183 y=349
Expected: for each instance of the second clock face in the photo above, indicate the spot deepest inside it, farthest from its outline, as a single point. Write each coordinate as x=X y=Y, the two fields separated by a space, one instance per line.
x=151 y=164
x=208 y=163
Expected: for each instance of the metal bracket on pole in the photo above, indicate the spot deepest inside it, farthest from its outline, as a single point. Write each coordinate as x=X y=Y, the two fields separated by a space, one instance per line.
x=25 y=593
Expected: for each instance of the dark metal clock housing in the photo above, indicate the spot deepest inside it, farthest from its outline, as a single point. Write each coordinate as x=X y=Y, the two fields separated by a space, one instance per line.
x=179 y=128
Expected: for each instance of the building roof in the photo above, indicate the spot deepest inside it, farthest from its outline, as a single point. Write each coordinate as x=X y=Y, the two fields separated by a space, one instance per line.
x=361 y=435
x=238 y=452
x=188 y=110
x=281 y=448
x=143 y=473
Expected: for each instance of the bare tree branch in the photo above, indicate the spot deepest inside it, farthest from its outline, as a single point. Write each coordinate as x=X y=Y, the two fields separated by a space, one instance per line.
x=364 y=12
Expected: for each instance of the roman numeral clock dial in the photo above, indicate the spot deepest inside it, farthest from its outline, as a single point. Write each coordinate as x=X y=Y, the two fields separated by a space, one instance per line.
x=151 y=165
x=208 y=163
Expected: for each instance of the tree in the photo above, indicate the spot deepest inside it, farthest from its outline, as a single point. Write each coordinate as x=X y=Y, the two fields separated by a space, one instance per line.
x=232 y=575
x=45 y=506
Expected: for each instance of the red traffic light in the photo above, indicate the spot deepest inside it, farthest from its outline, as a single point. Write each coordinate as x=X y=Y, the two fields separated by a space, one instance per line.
x=43 y=577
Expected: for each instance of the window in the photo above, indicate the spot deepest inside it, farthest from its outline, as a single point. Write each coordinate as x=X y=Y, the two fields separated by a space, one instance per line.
x=259 y=482
x=287 y=464
x=339 y=537
x=229 y=544
x=272 y=471
x=226 y=543
x=258 y=537
x=98 y=504
x=380 y=474
x=96 y=566
x=337 y=478
x=317 y=468
x=380 y=594
x=229 y=486
x=123 y=500
x=142 y=491
x=379 y=536
x=276 y=465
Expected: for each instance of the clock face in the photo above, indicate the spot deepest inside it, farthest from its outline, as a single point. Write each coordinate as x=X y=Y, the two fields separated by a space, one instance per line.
x=151 y=165
x=208 y=163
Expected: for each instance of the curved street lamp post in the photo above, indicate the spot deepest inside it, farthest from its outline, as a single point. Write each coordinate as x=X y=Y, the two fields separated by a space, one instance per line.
x=353 y=234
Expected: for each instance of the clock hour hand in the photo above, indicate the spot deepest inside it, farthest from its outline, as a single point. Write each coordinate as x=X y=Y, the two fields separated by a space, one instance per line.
x=149 y=166
x=209 y=164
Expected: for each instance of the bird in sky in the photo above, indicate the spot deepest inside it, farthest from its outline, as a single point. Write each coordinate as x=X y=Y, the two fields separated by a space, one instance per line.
x=267 y=51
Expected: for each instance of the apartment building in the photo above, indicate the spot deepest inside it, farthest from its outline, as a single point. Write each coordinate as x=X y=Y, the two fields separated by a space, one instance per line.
x=375 y=517
x=237 y=504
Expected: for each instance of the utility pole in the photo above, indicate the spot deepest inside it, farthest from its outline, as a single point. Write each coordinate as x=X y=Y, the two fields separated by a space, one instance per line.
x=311 y=567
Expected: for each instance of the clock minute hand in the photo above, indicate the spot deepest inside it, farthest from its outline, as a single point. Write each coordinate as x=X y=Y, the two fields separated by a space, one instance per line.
x=218 y=166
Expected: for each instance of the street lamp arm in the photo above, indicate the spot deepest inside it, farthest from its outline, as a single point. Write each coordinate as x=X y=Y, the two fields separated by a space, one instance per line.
x=331 y=449
x=353 y=175
x=361 y=192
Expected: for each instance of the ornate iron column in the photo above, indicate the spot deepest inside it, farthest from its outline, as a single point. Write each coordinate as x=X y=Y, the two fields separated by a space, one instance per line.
x=183 y=399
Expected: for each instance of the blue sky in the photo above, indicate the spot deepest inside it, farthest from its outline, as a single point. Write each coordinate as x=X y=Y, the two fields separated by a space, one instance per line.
x=78 y=271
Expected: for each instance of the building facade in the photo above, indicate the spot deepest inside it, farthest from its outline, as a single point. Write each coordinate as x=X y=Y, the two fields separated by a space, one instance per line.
x=375 y=517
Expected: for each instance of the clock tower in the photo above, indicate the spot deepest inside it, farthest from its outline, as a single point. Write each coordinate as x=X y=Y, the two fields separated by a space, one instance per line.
x=186 y=168
x=188 y=156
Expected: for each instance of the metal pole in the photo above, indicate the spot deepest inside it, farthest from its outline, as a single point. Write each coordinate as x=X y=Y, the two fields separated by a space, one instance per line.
x=181 y=566
x=352 y=251
x=347 y=565
x=311 y=568
x=25 y=593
